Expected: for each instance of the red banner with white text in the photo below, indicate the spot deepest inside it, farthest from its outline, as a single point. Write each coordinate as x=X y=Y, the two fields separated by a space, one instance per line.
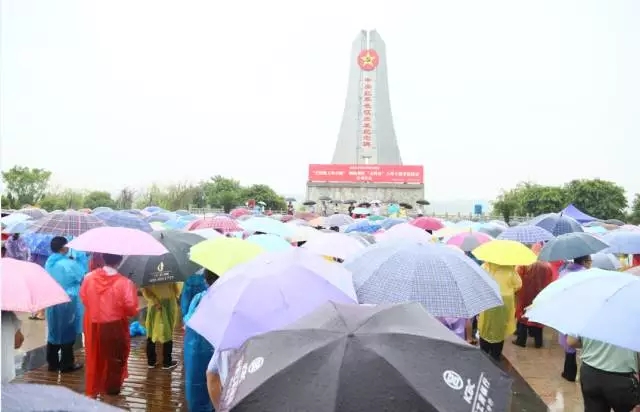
x=413 y=175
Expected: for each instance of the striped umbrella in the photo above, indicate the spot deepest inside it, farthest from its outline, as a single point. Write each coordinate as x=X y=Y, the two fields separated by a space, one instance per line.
x=66 y=224
x=220 y=223
x=33 y=212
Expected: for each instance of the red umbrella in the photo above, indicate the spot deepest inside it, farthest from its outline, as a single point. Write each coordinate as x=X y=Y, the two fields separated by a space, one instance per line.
x=236 y=213
x=427 y=223
x=220 y=223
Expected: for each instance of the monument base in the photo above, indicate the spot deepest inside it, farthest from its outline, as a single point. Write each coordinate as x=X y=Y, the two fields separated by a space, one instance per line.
x=405 y=193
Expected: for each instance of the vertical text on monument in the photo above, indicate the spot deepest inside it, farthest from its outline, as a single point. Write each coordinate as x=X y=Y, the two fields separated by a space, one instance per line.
x=368 y=60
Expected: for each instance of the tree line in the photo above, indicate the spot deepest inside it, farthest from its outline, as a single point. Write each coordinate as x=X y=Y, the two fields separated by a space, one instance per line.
x=31 y=186
x=598 y=198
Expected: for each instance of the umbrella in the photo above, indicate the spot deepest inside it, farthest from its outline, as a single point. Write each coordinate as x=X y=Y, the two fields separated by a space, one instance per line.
x=135 y=212
x=526 y=234
x=449 y=231
x=241 y=211
x=221 y=254
x=606 y=261
x=557 y=223
x=174 y=266
x=207 y=233
x=570 y=246
x=505 y=252
x=363 y=358
x=19 y=227
x=365 y=238
x=270 y=243
x=427 y=223
x=221 y=223
x=338 y=219
x=27 y=287
x=445 y=281
x=598 y=307
x=160 y=217
x=182 y=212
x=269 y=292
x=149 y=210
x=123 y=219
x=391 y=222
x=33 y=212
x=305 y=215
x=363 y=226
x=157 y=226
x=66 y=223
x=302 y=233
x=406 y=231
x=334 y=244
x=118 y=241
x=361 y=211
x=289 y=199
x=469 y=241
x=176 y=224
x=491 y=229
x=615 y=222
x=30 y=397
x=267 y=225
x=622 y=242
x=631 y=228
x=595 y=229
x=14 y=218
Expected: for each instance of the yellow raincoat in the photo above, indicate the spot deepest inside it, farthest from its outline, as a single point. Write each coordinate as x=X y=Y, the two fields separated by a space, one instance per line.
x=496 y=324
x=162 y=310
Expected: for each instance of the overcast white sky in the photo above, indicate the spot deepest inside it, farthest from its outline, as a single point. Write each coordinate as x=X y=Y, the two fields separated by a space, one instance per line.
x=484 y=94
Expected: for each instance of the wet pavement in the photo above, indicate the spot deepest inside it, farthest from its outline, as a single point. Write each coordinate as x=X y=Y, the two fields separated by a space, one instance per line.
x=537 y=384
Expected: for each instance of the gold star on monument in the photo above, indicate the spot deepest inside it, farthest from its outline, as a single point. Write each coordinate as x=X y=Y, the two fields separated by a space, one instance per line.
x=368 y=59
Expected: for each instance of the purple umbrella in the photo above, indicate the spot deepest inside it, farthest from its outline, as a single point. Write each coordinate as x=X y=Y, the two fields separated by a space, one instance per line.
x=267 y=293
x=526 y=234
x=68 y=223
x=557 y=223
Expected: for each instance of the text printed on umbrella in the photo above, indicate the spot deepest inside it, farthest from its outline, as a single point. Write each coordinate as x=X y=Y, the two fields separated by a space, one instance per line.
x=475 y=394
x=240 y=373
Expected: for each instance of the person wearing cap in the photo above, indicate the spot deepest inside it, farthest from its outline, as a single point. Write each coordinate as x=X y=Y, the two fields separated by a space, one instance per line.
x=64 y=321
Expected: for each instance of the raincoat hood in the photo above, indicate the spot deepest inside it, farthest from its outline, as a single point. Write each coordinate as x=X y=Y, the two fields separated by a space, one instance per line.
x=53 y=260
x=103 y=281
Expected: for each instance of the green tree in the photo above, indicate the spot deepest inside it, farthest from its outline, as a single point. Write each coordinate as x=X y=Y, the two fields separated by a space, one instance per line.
x=223 y=192
x=263 y=193
x=98 y=198
x=536 y=200
x=184 y=195
x=62 y=200
x=506 y=204
x=153 y=196
x=125 y=199
x=598 y=198
x=634 y=216
x=24 y=185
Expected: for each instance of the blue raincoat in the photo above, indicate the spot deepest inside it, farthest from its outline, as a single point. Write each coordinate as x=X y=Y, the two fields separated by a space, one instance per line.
x=197 y=353
x=64 y=321
x=192 y=286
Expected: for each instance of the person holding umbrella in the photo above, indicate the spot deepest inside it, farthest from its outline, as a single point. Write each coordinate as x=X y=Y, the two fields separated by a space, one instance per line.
x=110 y=299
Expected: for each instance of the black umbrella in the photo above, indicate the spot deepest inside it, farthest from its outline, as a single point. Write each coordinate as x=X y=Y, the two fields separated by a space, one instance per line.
x=616 y=222
x=290 y=199
x=30 y=397
x=309 y=203
x=349 y=202
x=406 y=205
x=324 y=198
x=174 y=266
x=423 y=202
x=364 y=358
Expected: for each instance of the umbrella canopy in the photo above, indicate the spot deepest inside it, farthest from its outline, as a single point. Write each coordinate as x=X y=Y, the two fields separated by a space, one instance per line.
x=221 y=254
x=363 y=358
x=365 y=226
x=267 y=225
x=161 y=217
x=182 y=212
x=622 y=242
x=118 y=241
x=68 y=223
x=570 y=246
x=406 y=231
x=390 y=222
x=176 y=224
x=338 y=220
x=527 y=234
x=577 y=214
x=361 y=211
x=207 y=233
x=241 y=211
x=221 y=223
x=33 y=212
x=505 y=252
x=334 y=244
x=557 y=223
x=615 y=222
x=269 y=292
x=449 y=231
x=598 y=307
x=123 y=219
x=270 y=243
x=27 y=287
x=31 y=397
x=492 y=229
x=13 y=219
x=102 y=209
x=19 y=227
x=365 y=238
x=427 y=223
x=445 y=281
x=469 y=241
x=606 y=261
x=302 y=233
x=174 y=266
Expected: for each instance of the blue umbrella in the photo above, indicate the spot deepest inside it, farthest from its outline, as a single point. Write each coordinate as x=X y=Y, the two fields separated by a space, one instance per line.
x=101 y=209
x=267 y=225
x=18 y=227
x=364 y=226
x=270 y=243
x=622 y=242
x=364 y=238
x=161 y=217
x=557 y=223
x=491 y=229
x=176 y=224
x=122 y=219
x=391 y=222
x=605 y=261
x=526 y=234
x=570 y=246
x=182 y=212
x=596 y=304
x=152 y=209
x=443 y=279
x=595 y=229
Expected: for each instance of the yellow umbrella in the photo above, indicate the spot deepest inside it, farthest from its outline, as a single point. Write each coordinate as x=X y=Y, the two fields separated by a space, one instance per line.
x=505 y=252
x=450 y=231
x=223 y=253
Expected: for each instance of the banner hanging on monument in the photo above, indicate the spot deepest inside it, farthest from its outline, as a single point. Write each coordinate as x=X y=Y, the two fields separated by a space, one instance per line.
x=340 y=173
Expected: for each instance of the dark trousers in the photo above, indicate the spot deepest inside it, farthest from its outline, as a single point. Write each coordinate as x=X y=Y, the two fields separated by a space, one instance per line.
x=60 y=357
x=570 y=370
x=492 y=349
x=523 y=332
x=152 y=358
x=603 y=391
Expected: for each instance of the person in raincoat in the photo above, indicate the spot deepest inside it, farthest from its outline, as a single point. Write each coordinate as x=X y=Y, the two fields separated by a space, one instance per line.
x=17 y=248
x=162 y=311
x=64 y=320
x=192 y=286
x=496 y=324
x=197 y=353
x=534 y=278
x=110 y=299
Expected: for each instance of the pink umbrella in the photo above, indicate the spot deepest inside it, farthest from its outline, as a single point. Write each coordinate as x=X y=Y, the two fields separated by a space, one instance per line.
x=469 y=241
x=630 y=228
x=27 y=287
x=334 y=244
x=427 y=223
x=221 y=223
x=239 y=212
x=118 y=241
